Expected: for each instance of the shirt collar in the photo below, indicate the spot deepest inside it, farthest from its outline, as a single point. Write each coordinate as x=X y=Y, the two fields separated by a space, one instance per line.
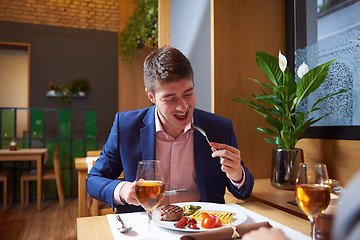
x=159 y=128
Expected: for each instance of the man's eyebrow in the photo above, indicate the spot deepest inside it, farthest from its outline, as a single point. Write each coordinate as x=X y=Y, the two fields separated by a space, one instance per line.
x=169 y=95
x=190 y=89
x=173 y=94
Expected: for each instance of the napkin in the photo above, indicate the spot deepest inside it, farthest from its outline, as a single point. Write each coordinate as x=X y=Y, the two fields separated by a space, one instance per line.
x=225 y=233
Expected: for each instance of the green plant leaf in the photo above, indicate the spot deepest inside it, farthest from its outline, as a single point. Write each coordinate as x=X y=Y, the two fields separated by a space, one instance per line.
x=266 y=85
x=300 y=118
x=256 y=106
x=284 y=94
x=141 y=29
x=269 y=99
x=276 y=123
x=288 y=124
x=274 y=111
x=312 y=80
x=326 y=97
x=269 y=65
x=265 y=130
x=270 y=141
x=278 y=142
x=290 y=81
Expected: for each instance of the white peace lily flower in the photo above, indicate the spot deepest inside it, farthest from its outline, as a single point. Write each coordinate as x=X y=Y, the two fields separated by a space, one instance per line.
x=302 y=70
x=282 y=62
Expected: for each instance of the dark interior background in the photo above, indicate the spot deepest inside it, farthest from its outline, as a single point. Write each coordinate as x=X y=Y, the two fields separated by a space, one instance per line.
x=61 y=54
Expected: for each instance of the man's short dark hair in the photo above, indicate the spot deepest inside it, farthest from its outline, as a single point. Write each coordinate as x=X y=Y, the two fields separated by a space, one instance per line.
x=164 y=65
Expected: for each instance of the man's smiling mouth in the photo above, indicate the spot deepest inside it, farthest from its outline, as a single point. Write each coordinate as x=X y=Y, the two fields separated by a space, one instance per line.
x=181 y=116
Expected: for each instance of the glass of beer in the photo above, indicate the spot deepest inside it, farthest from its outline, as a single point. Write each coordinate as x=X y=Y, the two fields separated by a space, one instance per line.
x=312 y=191
x=150 y=185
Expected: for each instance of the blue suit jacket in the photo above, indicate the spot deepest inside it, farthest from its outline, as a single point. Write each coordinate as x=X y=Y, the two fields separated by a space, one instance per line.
x=132 y=138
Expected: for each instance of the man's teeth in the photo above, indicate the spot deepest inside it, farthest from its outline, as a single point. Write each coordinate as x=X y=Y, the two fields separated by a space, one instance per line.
x=181 y=115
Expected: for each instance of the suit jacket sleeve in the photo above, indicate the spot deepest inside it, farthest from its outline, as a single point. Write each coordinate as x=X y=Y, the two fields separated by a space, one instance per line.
x=101 y=181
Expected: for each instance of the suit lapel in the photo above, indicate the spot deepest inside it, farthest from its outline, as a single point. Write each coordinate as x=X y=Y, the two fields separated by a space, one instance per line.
x=200 y=145
x=147 y=135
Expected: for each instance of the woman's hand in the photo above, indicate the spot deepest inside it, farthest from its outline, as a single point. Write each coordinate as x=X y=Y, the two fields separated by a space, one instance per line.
x=230 y=160
x=265 y=233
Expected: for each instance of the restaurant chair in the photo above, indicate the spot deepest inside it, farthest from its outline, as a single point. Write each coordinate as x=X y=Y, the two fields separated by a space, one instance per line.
x=48 y=174
x=4 y=177
x=97 y=208
x=95 y=153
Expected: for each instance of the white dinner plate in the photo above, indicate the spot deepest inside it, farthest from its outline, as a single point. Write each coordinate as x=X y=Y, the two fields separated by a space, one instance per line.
x=239 y=217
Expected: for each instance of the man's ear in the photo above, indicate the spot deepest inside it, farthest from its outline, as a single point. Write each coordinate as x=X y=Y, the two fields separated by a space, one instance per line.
x=150 y=96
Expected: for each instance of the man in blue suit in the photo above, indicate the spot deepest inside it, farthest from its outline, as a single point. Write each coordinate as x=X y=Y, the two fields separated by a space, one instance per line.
x=164 y=132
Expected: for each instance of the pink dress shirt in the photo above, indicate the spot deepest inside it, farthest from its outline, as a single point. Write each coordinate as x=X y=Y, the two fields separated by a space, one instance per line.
x=177 y=160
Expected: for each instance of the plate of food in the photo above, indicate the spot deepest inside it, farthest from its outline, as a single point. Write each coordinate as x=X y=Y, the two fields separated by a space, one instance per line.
x=190 y=216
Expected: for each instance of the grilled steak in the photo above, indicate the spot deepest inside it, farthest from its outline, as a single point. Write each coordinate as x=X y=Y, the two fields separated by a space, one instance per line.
x=171 y=213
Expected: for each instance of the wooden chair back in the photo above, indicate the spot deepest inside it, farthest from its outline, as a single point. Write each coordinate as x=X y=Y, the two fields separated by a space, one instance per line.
x=58 y=178
x=56 y=160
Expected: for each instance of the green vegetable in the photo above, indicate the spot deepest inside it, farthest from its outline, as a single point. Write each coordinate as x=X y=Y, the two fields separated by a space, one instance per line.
x=190 y=209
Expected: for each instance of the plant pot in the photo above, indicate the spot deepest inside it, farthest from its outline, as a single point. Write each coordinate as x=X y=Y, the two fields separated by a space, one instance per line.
x=51 y=93
x=284 y=169
x=81 y=94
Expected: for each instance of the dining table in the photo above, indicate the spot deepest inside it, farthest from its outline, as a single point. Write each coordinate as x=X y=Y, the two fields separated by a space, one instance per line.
x=102 y=227
x=29 y=154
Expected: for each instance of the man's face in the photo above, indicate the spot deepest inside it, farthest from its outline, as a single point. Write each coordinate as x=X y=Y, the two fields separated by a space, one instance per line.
x=175 y=102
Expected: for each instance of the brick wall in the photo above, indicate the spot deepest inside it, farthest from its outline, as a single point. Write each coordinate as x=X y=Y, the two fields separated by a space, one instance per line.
x=88 y=14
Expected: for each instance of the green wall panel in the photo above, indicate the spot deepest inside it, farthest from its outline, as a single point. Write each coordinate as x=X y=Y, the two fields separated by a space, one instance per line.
x=78 y=149
x=5 y=144
x=65 y=153
x=37 y=123
x=7 y=123
x=74 y=130
x=50 y=189
x=91 y=145
x=91 y=120
x=37 y=143
x=66 y=177
x=23 y=143
x=65 y=123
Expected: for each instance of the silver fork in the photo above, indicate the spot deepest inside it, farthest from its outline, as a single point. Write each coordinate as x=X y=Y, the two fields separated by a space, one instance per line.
x=123 y=229
x=203 y=133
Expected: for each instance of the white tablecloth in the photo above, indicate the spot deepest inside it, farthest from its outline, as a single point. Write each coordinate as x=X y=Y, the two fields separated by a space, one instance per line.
x=139 y=223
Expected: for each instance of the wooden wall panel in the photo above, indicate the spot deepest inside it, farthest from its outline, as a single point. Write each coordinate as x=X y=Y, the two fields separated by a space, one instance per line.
x=131 y=81
x=164 y=33
x=239 y=29
x=342 y=157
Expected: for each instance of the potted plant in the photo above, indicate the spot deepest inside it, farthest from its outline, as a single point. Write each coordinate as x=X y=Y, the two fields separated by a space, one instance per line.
x=80 y=86
x=141 y=30
x=63 y=95
x=279 y=104
x=52 y=89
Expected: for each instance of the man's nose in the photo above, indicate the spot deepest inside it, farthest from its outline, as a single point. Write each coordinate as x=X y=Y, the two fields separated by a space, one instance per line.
x=182 y=105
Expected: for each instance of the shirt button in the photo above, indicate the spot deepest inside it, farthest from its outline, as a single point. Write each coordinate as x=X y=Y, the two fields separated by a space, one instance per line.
x=174 y=165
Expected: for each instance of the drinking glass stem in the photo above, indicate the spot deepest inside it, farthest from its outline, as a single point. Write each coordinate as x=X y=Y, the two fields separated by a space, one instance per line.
x=312 y=221
x=149 y=218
